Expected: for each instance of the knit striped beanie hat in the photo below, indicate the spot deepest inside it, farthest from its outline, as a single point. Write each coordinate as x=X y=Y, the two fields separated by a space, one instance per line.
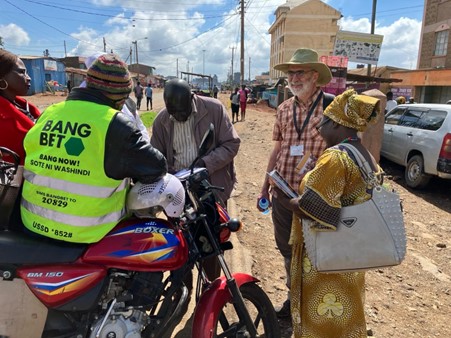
x=109 y=74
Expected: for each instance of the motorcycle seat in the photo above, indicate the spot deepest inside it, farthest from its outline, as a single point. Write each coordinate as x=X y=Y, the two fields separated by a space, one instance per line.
x=20 y=249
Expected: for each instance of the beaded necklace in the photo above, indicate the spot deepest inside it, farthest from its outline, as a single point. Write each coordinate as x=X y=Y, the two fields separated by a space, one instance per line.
x=350 y=139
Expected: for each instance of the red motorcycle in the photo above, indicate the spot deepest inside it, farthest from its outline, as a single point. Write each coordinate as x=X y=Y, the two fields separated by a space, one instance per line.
x=132 y=283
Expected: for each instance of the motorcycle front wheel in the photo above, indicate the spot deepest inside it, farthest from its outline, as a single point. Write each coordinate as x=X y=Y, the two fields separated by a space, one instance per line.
x=261 y=310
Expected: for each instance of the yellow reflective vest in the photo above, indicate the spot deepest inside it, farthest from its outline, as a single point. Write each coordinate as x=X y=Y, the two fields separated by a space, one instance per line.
x=67 y=194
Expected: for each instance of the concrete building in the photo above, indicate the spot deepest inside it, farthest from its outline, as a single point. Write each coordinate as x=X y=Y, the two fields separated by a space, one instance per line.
x=430 y=82
x=302 y=23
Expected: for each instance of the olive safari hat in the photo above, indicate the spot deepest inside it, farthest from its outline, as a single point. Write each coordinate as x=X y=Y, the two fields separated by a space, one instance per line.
x=308 y=58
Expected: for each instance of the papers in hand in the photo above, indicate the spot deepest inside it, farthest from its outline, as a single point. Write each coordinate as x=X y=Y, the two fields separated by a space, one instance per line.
x=283 y=185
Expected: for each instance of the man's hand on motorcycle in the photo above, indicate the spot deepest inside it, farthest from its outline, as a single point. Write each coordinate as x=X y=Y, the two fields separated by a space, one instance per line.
x=200 y=163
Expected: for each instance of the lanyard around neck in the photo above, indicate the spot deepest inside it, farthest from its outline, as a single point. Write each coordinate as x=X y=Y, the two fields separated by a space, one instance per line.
x=307 y=118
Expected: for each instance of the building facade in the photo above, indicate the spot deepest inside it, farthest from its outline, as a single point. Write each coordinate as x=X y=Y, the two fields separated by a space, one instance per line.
x=302 y=24
x=430 y=82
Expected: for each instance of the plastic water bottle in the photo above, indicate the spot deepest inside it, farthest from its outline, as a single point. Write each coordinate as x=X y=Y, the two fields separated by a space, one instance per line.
x=263 y=203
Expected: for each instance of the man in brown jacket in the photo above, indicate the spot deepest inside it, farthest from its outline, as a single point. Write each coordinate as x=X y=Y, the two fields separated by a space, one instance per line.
x=178 y=130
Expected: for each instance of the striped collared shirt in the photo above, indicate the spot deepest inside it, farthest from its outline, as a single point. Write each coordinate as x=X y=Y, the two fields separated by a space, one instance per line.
x=185 y=148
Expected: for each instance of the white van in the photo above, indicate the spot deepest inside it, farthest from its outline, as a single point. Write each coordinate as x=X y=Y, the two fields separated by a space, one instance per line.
x=418 y=136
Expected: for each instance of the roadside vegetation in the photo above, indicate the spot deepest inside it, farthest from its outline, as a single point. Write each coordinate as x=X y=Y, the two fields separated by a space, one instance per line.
x=148 y=118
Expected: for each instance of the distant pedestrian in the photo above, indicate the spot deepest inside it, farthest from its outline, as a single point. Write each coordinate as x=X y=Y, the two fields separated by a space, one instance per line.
x=149 y=93
x=215 y=92
x=390 y=102
x=69 y=86
x=243 y=101
x=235 y=104
x=401 y=99
x=139 y=90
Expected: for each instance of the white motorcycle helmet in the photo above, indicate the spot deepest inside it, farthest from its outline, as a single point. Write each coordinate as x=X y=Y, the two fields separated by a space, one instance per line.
x=167 y=194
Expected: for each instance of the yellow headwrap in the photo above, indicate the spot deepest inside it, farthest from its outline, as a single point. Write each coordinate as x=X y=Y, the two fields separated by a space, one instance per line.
x=401 y=99
x=353 y=110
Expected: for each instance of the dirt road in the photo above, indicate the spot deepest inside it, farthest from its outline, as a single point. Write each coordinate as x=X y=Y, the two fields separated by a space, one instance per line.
x=410 y=300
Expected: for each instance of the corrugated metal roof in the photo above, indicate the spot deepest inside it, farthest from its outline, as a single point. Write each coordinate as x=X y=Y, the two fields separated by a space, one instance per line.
x=31 y=57
x=375 y=71
x=76 y=70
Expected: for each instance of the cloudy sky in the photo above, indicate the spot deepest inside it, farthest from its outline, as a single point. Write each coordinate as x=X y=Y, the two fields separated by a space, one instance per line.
x=196 y=35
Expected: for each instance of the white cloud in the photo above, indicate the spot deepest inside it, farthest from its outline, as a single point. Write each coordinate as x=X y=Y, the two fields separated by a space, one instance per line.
x=183 y=33
x=401 y=43
x=13 y=34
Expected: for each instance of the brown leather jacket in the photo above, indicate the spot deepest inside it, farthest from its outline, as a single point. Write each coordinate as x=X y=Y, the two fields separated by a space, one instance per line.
x=219 y=160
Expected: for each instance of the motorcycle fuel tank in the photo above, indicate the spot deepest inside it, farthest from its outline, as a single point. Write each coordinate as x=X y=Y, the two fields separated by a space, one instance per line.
x=141 y=245
x=56 y=285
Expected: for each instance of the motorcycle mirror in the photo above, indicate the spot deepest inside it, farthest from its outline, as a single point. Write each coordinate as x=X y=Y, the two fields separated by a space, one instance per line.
x=207 y=140
x=205 y=144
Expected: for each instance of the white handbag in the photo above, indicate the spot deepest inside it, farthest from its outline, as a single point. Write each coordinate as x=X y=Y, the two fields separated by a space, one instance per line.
x=369 y=235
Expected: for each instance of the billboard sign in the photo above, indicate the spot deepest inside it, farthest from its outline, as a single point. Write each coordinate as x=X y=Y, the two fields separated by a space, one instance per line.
x=50 y=65
x=402 y=91
x=358 y=47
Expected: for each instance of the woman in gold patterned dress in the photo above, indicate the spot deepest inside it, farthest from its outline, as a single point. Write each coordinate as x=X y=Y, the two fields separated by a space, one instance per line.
x=331 y=305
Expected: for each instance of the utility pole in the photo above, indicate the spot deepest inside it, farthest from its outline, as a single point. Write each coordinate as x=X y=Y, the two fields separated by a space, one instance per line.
x=177 y=67
x=232 y=79
x=249 y=69
x=242 y=44
x=65 y=52
x=373 y=24
x=203 y=67
x=131 y=55
x=136 y=50
x=104 y=45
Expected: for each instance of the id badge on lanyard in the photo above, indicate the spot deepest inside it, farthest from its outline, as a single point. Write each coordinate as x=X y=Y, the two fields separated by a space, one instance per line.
x=298 y=150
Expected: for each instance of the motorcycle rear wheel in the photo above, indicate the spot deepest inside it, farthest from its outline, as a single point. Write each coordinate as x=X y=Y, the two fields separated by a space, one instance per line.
x=260 y=309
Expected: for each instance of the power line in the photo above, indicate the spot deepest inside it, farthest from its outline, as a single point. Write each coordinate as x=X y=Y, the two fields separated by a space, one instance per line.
x=43 y=22
x=391 y=10
x=166 y=4
x=258 y=32
x=114 y=16
x=193 y=38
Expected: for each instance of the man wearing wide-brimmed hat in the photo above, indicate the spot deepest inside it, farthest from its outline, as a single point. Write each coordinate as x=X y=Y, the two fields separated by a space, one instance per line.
x=297 y=142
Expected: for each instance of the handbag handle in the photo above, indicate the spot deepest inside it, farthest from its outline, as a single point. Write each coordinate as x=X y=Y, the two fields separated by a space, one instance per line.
x=365 y=168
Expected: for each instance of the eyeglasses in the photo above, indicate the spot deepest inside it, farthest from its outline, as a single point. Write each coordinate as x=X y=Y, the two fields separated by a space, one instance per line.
x=322 y=123
x=299 y=73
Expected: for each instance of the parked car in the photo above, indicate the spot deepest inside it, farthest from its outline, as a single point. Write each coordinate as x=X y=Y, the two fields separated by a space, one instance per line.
x=418 y=136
